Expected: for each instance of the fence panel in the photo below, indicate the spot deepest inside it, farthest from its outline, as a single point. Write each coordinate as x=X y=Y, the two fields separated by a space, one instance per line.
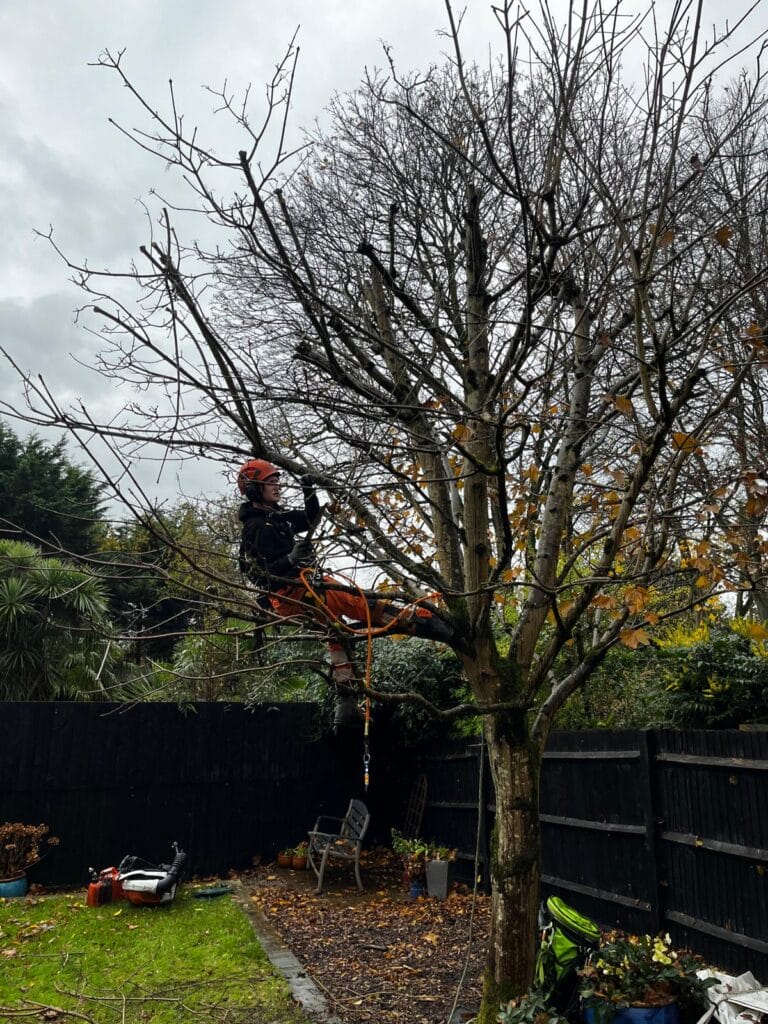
x=226 y=782
x=451 y=810
x=712 y=806
x=643 y=830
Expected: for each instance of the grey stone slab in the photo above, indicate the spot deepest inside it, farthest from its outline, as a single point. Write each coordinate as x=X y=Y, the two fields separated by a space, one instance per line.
x=303 y=989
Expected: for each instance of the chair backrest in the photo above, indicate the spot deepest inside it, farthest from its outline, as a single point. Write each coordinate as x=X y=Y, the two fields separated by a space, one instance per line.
x=355 y=821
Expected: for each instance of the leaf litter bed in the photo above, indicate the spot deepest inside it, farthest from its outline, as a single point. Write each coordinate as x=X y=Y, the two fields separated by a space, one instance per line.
x=378 y=955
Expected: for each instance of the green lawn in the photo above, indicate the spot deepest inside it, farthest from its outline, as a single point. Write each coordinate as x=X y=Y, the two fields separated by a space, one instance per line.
x=192 y=960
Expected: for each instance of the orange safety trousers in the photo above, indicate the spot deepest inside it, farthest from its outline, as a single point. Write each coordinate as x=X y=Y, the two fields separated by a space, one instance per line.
x=336 y=602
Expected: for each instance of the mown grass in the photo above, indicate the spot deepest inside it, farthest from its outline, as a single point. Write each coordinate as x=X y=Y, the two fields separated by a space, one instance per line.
x=192 y=960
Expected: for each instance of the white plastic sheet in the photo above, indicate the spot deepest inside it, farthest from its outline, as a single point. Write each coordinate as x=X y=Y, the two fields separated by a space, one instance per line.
x=736 y=1000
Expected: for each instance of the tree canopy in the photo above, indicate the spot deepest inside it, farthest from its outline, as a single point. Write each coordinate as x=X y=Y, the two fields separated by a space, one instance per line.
x=44 y=497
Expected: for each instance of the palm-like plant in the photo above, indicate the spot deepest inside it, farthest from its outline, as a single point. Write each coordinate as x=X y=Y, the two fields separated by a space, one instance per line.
x=54 y=632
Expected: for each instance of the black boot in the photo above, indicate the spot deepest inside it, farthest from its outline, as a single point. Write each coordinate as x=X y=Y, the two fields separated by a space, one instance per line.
x=426 y=627
x=430 y=627
x=347 y=714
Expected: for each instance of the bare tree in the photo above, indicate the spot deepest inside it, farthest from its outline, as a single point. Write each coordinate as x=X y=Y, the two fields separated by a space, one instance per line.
x=499 y=316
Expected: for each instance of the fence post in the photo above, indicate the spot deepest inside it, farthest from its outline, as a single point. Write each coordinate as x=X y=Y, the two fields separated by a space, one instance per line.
x=647 y=738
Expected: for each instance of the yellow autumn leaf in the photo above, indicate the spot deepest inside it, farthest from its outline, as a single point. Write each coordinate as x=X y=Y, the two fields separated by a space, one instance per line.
x=624 y=404
x=666 y=239
x=586 y=468
x=461 y=433
x=685 y=442
x=723 y=236
x=634 y=638
x=636 y=599
x=756 y=630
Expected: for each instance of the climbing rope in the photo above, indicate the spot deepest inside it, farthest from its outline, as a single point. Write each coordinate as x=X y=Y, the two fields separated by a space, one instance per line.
x=313 y=582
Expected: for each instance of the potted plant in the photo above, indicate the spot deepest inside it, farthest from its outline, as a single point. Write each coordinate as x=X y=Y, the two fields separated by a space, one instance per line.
x=413 y=853
x=300 y=857
x=640 y=978
x=285 y=857
x=20 y=849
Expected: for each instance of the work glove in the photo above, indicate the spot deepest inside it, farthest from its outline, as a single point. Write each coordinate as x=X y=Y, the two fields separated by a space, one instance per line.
x=307 y=482
x=301 y=553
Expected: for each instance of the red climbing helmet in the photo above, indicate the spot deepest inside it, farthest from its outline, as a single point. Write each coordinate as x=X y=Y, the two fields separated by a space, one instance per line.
x=255 y=471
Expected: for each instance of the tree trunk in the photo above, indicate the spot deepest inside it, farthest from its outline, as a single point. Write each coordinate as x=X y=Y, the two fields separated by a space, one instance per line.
x=515 y=761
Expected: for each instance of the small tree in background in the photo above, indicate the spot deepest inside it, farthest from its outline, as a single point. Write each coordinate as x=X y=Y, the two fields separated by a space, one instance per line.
x=502 y=317
x=45 y=498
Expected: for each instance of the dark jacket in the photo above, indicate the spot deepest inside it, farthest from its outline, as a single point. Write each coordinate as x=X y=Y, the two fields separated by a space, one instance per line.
x=267 y=539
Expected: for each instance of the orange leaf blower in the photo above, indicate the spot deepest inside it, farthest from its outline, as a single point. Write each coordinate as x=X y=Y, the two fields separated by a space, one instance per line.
x=137 y=881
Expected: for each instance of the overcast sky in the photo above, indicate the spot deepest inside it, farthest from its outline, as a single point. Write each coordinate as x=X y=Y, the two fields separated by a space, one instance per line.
x=63 y=165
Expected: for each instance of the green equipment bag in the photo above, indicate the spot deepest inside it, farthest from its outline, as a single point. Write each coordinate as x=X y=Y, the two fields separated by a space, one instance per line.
x=567 y=938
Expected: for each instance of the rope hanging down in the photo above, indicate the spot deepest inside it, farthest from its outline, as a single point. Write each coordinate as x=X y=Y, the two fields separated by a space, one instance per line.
x=311 y=579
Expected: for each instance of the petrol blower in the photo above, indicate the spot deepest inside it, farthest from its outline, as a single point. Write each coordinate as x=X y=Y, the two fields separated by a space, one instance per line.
x=136 y=880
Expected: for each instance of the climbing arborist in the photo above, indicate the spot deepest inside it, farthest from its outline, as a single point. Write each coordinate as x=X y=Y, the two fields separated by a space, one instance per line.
x=273 y=557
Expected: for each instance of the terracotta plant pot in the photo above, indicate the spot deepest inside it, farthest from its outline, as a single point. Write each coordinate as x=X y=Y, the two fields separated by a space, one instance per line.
x=300 y=863
x=285 y=860
x=16 y=886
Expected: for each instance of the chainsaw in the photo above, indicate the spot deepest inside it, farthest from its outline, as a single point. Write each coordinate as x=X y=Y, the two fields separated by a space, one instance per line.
x=137 y=881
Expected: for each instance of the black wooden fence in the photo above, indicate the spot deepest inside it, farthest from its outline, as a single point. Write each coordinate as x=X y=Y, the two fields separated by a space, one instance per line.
x=645 y=830
x=227 y=783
